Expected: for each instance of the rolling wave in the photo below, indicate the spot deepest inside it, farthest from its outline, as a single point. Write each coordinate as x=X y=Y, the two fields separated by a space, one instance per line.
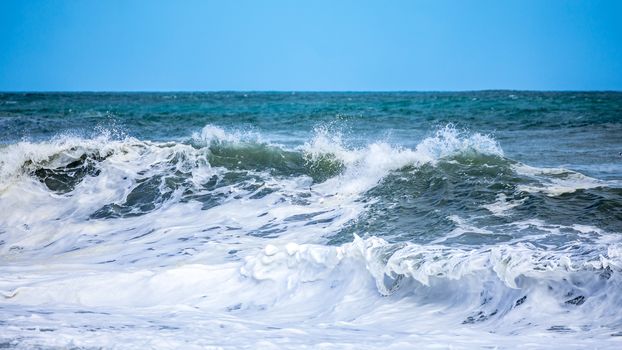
x=380 y=238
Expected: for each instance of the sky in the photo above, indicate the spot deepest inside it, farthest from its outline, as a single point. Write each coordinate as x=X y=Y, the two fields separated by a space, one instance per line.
x=156 y=45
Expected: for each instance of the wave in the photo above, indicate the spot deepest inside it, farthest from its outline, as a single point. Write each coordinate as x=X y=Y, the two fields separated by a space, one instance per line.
x=390 y=240
x=451 y=169
x=64 y=161
x=430 y=273
x=324 y=154
x=503 y=289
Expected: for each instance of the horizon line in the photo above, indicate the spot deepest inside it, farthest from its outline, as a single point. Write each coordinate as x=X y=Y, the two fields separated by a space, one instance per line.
x=302 y=91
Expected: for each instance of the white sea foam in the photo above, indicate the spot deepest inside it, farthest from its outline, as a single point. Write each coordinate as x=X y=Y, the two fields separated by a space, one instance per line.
x=368 y=285
x=557 y=181
x=213 y=134
x=502 y=205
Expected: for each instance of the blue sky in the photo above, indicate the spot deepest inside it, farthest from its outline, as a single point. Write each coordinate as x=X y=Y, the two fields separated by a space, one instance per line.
x=117 y=45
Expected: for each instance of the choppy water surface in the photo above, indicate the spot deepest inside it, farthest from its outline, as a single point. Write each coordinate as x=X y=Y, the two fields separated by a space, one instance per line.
x=320 y=220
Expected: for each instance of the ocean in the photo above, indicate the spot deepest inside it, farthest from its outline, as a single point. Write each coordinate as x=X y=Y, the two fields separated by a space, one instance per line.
x=274 y=220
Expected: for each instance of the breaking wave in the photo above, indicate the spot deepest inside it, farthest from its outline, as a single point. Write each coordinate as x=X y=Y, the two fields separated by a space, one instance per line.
x=391 y=240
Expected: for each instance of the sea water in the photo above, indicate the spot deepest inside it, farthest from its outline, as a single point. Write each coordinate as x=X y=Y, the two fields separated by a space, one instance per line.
x=311 y=220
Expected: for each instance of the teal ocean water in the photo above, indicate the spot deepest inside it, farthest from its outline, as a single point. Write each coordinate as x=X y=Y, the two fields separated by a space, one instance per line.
x=311 y=220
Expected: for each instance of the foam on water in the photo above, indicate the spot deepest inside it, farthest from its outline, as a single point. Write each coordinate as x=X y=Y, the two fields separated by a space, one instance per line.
x=557 y=181
x=151 y=245
x=502 y=205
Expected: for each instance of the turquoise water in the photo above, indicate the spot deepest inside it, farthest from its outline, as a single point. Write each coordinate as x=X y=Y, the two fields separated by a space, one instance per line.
x=311 y=219
x=556 y=128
